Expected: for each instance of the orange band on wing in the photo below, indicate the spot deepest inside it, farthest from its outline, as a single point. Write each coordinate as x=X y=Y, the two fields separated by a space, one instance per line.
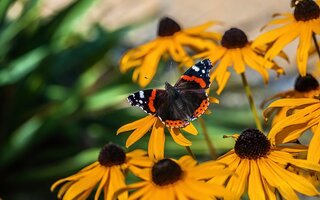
x=176 y=123
x=202 y=108
x=151 y=101
x=200 y=81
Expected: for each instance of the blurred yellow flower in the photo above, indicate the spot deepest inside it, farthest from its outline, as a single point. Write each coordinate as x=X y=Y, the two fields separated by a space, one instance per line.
x=182 y=179
x=260 y=168
x=157 y=137
x=306 y=115
x=305 y=87
x=171 y=40
x=235 y=51
x=301 y=24
x=107 y=172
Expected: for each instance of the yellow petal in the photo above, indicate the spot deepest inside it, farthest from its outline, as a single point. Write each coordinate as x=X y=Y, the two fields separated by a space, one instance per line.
x=140 y=132
x=272 y=35
x=303 y=49
x=150 y=64
x=197 y=189
x=117 y=181
x=275 y=180
x=279 y=21
x=314 y=150
x=284 y=158
x=187 y=162
x=200 y=28
x=145 y=188
x=298 y=183
x=282 y=41
x=237 y=183
x=289 y=102
x=156 y=141
x=255 y=66
x=102 y=183
x=237 y=60
x=84 y=172
x=191 y=129
x=85 y=183
x=269 y=190
x=213 y=100
x=178 y=137
x=255 y=187
x=135 y=124
x=220 y=73
x=194 y=42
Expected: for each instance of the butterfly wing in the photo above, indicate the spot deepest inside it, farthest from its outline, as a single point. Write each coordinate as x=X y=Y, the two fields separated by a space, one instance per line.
x=196 y=77
x=148 y=100
x=192 y=99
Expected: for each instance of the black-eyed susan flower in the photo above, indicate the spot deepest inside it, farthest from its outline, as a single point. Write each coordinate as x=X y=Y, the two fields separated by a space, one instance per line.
x=107 y=174
x=172 y=40
x=301 y=24
x=260 y=168
x=157 y=137
x=304 y=87
x=305 y=115
x=236 y=51
x=182 y=179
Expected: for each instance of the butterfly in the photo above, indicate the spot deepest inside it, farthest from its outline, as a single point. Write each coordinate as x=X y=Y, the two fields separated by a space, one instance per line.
x=180 y=103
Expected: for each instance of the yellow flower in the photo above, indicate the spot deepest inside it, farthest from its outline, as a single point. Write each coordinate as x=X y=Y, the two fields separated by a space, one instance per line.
x=235 y=51
x=301 y=24
x=107 y=172
x=182 y=179
x=171 y=40
x=260 y=168
x=306 y=115
x=305 y=87
x=157 y=137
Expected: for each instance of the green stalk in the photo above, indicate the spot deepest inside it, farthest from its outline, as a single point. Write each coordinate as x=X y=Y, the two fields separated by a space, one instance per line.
x=190 y=152
x=212 y=149
x=316 y=43
x=251 y=101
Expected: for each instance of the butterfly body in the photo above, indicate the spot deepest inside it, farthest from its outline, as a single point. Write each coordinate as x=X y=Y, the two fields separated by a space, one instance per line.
x=181 y=103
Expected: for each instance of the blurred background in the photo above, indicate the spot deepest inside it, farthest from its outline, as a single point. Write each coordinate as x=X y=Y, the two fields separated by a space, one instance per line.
x=62 y=96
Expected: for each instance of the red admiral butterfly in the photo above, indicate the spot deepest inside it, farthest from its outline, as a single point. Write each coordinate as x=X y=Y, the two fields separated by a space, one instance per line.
x=177 y=105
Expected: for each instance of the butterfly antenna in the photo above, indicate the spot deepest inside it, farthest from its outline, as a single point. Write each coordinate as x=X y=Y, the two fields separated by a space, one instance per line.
x=153 y=80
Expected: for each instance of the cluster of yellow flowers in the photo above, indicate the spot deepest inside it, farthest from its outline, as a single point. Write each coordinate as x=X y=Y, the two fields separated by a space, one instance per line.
x=264 y=166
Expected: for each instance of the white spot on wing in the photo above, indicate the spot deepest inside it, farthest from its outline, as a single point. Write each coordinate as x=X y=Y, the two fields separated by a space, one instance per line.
x=203 y=71
x=195 y=68
x=141 y=94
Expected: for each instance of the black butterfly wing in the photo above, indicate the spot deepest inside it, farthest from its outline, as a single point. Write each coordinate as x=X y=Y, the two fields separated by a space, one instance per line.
x=148 y=100
x=188 y=106
x=192 y=99
x=196 y=77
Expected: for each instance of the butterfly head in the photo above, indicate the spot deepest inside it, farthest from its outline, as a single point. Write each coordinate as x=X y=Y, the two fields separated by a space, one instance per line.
x=171 y=90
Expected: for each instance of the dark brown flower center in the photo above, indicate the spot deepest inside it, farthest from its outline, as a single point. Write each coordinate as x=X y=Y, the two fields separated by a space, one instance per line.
x=166 y=172
x=306 y=83
x=252 y=144
x=306 y=10
x=111 y=154
x=168 y=27
x=234 y=38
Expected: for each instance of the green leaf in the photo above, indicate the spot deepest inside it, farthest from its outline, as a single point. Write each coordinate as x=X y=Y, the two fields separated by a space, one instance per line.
x=19 y=140
x=4 y=6
x=107 y=97
x=22 y=66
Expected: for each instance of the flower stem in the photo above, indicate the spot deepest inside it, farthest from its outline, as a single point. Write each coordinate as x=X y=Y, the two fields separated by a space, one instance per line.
x=316 y=43
x=190 y=152
x=210 y=145
x=251 y=101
